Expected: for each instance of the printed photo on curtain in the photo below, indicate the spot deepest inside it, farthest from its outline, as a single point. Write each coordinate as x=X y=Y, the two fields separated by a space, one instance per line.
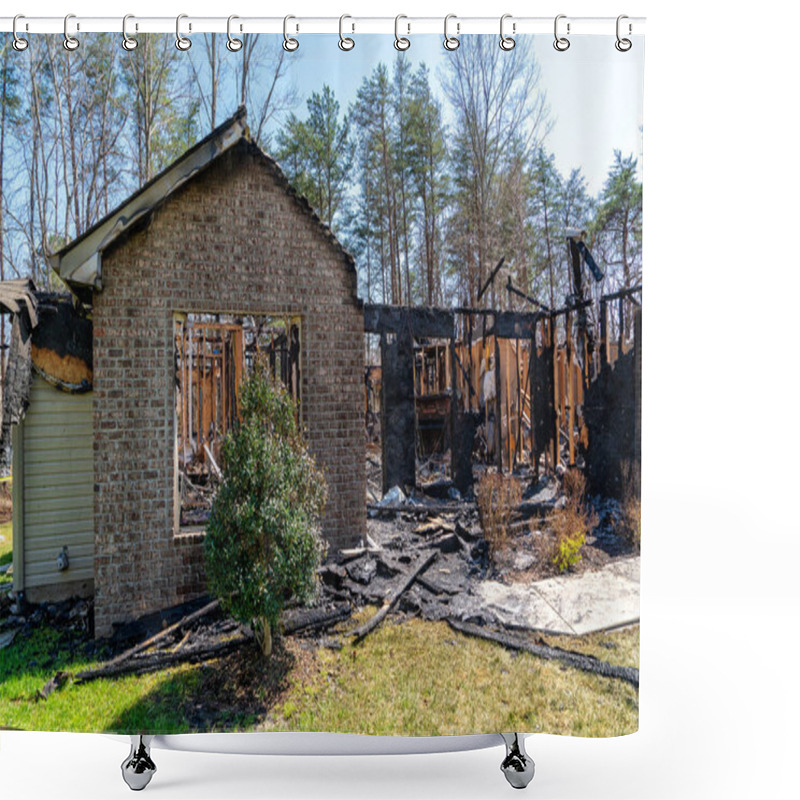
x=321 y=374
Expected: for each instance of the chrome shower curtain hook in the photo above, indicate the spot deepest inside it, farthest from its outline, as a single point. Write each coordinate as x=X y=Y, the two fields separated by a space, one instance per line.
x=623 y=45
x=507 y=42
x=451 y=42
x=182 y=42
x=290 y=44
x=128 y=42
x=233 y=44
x=401 y=42
x=19 y=44
x=345 y=42
x=561 y=43
x=70 y=42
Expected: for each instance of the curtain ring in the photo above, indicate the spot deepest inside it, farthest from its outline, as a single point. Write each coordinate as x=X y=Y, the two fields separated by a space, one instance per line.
x=233 y=44
x=623 y=45
x=561 y=43
x=70 y=42
x=289 y=43
x=345 y=42
x=401 y=42
x=451 y=42
x=507 y=42
x=128 y=42
x=182 y=42
x=19 y=44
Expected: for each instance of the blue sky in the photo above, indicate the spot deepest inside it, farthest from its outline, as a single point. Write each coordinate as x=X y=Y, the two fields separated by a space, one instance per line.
x=594 y=92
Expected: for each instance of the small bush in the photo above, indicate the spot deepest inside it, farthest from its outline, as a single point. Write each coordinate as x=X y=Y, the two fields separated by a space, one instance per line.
x=262 y=538
x=572 y=523
x=567 y=550
x=498 y=497
x=631 y=524
x=574 y=486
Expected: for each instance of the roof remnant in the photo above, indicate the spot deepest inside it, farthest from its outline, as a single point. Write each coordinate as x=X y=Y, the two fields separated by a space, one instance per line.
x=18 y=294
x=79 y=263
x=17 y=297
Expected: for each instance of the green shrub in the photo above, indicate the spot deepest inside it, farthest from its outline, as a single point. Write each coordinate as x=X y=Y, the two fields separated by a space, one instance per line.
x=262 y=538
x=567 y=550
x=571 y=523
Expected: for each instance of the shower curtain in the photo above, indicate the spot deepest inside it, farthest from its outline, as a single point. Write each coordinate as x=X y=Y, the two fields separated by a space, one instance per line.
x=321 y=367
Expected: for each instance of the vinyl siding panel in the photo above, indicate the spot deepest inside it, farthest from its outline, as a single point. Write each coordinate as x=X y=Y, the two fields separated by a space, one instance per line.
x=58 y=486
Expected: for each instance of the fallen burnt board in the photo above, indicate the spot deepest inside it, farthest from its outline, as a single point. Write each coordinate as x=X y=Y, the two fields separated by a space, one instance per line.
x=451 y=532
x=570 y=658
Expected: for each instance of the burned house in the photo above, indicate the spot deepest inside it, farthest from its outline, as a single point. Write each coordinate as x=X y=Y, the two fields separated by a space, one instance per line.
x=215 y=260
x=516 y=391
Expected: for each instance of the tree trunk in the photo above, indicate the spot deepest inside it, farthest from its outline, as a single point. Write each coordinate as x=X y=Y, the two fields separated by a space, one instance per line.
x=263 y=632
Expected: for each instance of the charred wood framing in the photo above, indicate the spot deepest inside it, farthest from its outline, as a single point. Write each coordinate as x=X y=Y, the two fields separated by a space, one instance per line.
x=615 y=297
x=398 y=413
x=16 y=384
x=532 y=300
x=498 y=406
x=439 y=323
x=514 y=324
x=545 y=424
x=612 y=410
x=17 y=297
x=633 y=290
x=491 y=277
x=421 y=323
x=577 y=272
x=545 y=393
x=398 y=326
x=466 y=426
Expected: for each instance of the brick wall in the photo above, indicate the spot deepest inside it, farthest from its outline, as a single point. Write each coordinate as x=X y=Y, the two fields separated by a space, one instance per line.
x=233 y=239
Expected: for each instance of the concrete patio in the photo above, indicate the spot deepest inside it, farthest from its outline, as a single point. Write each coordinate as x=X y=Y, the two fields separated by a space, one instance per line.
x=571 y=604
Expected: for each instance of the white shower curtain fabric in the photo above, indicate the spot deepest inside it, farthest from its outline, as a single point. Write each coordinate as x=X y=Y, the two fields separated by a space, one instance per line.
x=321 y=385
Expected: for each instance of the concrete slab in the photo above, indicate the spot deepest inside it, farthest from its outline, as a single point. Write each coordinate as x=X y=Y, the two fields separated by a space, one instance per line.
x=627 y=568
x=520 y=606
x=593 y=601
x=568 y=604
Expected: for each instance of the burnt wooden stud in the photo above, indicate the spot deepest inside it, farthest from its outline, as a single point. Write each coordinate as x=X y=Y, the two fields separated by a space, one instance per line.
x=398 y=423
x=454 y=407
x=531 y=384
x=498 y=408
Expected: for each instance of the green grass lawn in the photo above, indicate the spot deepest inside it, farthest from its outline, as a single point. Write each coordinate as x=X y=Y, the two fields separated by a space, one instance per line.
x=107 y=705
x=416 y=678
x=422 y=678
x=6 y=548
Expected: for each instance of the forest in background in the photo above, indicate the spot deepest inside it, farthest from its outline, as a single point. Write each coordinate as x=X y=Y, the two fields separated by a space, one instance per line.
x=427 y=180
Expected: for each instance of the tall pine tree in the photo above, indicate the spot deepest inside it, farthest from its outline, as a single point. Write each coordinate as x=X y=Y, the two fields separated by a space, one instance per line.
x=317 y=154
x=617 y=227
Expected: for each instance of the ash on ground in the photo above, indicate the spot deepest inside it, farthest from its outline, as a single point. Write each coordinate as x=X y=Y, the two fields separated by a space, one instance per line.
x=404 y=528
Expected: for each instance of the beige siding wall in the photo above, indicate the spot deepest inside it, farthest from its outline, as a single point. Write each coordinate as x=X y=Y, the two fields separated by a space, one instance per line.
x=57 y=488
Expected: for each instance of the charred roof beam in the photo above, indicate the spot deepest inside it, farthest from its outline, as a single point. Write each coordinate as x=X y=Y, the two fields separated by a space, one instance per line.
x=424 y=323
